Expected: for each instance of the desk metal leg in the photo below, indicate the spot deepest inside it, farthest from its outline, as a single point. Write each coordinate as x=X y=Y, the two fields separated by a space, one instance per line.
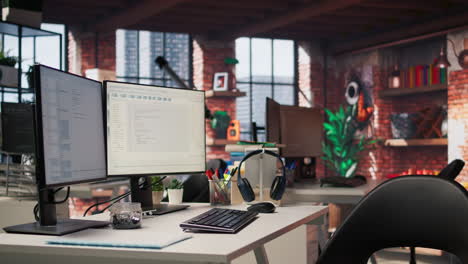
x=260 y=255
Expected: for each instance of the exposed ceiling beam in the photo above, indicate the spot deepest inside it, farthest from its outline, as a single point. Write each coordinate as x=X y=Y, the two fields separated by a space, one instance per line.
x=242 y=4
x=376 y=12
x=301 y=13
x=403 y=5
x=132 y=15
x=441 y=26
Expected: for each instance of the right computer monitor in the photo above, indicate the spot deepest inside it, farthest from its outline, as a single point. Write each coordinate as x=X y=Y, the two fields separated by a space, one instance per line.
x=153 y=130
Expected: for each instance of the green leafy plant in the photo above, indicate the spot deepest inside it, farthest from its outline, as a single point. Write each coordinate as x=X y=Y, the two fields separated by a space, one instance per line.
x=175 y=184
x=7 y=60
x=340 y=147
x=156 y=184
x=220 y=120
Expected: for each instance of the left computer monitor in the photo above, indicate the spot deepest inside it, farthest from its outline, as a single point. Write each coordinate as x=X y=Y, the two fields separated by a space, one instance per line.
x=70 y=144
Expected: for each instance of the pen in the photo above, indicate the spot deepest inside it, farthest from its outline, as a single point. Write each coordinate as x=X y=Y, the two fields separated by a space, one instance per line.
x=233 y=171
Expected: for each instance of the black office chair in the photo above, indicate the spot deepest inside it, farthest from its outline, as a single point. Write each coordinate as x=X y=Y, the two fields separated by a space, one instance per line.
x=451 y=171
x=409 y=211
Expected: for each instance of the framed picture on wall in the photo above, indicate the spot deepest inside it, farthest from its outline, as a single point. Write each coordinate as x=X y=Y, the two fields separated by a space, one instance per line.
x=220 y=81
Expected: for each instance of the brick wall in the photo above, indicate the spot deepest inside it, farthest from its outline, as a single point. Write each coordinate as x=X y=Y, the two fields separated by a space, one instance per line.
x=310 y=82
x=380 y=160
x=458 y=118
x=105 y=51
x=82 y=51
x=208 y=58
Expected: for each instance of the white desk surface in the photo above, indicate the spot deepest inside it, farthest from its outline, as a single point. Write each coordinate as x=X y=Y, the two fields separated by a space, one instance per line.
x=202 y=247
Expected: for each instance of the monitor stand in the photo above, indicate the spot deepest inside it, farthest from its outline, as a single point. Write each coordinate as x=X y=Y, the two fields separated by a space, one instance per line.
x=48 y=224
x=144 y=196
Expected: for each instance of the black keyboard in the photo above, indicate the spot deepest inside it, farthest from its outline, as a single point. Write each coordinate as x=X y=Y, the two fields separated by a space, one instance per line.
x=219 y=220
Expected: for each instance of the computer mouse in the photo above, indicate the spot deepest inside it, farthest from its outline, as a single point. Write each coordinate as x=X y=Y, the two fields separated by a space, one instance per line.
x=264 y=208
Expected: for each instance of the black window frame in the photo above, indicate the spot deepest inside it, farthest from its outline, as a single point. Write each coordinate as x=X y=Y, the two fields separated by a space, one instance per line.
x=251 y=83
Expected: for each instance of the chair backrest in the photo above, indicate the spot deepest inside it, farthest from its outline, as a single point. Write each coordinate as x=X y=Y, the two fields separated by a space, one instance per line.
x=451 y=171
x=410 y=211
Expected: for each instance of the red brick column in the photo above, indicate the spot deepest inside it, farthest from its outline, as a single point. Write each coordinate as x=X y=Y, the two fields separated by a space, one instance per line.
x=208 y=58
x=458 y=119
x=310 y=81
x=82 y=51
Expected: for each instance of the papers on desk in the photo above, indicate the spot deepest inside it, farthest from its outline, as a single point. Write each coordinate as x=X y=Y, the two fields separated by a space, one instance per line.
x=120 y=238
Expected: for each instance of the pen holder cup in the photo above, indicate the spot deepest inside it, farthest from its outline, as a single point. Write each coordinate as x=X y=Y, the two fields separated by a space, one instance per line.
x=220 y=192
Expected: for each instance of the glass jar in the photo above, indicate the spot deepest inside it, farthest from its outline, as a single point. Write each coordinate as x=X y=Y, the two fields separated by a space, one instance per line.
x=126 y=215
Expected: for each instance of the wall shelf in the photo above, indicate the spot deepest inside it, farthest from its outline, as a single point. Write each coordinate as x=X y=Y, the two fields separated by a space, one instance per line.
x=214 y=142
x=394 y=92
x=211 y=94
x=416 y=142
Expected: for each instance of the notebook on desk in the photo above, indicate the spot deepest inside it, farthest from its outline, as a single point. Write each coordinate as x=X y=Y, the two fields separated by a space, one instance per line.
x=120 y=239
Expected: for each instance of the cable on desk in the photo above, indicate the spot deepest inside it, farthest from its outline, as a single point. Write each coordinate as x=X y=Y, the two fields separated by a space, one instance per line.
x=120 y=197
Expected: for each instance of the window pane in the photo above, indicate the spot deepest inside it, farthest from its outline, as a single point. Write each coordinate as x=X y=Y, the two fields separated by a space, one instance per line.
x=259 y=94
x=120 y=52
x=283 y=61
x=145 y=56
x=27 y=51
x=52 y=43
x=158 y=82
x=11 y=46
x=243 y=108
x=284 y=94
x=177 y=53
x=27 y=98
x=127 y=53
x=261 y=60
x=10 y=97
x=157 y=47
x=243 y=55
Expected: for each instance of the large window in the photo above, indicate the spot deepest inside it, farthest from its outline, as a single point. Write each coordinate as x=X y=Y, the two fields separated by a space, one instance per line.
x=137 y=50
x=266 y=69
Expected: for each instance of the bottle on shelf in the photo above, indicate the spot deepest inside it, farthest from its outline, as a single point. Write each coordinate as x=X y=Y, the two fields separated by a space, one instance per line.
x=394 y=80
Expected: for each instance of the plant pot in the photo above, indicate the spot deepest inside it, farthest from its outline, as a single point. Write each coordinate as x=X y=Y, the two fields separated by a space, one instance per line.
x=8 y=76
x=175 y=195
x=157 y=196
x=221 y=133
x=22 y=16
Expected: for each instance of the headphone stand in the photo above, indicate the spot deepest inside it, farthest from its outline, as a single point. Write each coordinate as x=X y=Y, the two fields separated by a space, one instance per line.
x=260 y=174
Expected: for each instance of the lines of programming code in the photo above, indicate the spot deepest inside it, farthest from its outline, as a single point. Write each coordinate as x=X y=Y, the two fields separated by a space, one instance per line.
x=154 y=129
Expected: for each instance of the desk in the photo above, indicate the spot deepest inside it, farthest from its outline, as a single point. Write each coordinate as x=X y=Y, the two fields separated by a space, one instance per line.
x=202 y=248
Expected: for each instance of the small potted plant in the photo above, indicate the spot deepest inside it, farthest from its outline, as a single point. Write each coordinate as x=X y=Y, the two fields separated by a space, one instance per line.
x=8 y=72
x=175 y=191
x=158 y=189
x=220 y=123
x=23 y=12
